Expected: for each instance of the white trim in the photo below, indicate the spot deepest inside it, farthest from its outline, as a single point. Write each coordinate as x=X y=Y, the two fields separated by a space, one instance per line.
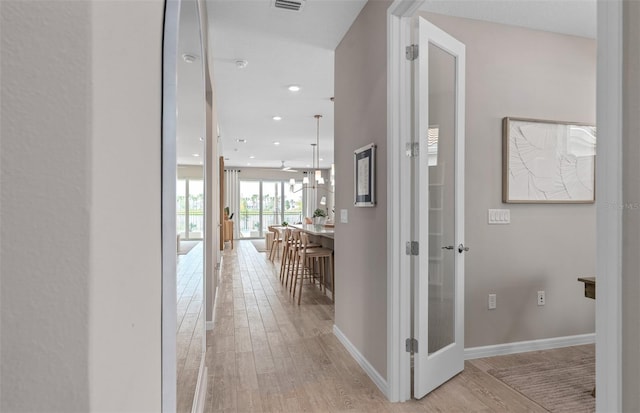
x=169 y=303
x=200 y=394
x=526 y=346
x=398 y=213
x=211 y=324
x=220 y=269
x=362 y=361
x=608 y=216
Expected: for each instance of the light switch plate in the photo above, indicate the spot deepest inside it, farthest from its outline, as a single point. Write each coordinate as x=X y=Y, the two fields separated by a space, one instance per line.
x=344 y=216
x=499 y=216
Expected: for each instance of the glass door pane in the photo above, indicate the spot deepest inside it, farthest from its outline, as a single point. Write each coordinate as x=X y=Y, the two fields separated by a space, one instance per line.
x=271 y=204
x=249 y=219
x=196 y=208
x=181 y=207
x=442 y=88
x=293 y=205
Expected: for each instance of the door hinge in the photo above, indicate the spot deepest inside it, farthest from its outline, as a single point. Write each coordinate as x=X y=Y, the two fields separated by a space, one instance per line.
x=412 y=248
x=412 y=52
x=413 y=150
x=411 y=345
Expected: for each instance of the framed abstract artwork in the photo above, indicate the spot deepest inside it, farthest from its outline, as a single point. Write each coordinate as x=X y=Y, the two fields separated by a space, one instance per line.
x=547 y=161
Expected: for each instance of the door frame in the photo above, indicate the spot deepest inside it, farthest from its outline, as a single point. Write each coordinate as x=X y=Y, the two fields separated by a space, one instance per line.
x=609 y=220
x=169 y=174
x=399 y=127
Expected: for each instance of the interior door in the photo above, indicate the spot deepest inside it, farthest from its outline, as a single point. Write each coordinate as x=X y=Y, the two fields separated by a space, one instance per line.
x=438 y=300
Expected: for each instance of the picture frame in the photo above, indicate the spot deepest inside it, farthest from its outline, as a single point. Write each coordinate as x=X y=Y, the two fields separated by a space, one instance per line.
x=364 y=176
x=548 y=161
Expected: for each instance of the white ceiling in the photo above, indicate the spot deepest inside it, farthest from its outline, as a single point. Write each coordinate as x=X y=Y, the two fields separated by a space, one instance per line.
x=190 y=97
x=572 y=17
x=284 y=48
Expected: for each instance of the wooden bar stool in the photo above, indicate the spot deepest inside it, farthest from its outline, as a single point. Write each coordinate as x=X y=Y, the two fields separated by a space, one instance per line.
x=275 y=244
x=286 y=254
x=311 y=258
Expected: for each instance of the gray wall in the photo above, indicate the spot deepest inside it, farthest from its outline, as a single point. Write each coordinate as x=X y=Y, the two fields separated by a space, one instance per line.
x=631 y=218
x=46 y=198
x=361 y=244
x=81 y=298
x=510 y=72
x=523 y=73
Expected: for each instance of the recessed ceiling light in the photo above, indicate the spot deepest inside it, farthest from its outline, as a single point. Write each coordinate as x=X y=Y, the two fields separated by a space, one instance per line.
x=196 y=154
x=201 y=163
x=294 y=88
x=276 y=143
x=241 y=140
x=189 y=58
x=248 y=163
x=277 y=118
x=252 y=157
x=241 y=63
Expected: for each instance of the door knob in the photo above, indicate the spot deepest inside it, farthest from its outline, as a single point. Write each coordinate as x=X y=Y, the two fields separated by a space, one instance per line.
x=462 y=248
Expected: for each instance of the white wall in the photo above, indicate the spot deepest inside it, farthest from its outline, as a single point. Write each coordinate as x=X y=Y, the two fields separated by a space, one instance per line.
x=80 y=293
x=125 y=352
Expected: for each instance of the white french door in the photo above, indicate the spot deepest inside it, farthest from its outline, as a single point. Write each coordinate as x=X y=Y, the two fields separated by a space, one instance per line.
x=438 y=218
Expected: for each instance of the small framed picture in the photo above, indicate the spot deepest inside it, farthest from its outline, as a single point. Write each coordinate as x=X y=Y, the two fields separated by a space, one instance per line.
x=364 y=173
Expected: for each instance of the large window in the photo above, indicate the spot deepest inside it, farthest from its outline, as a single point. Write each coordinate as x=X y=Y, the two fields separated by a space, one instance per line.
x=190 y=208
x=265 y=203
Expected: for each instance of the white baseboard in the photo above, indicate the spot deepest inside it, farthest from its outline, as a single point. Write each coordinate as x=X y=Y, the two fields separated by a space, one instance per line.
x=525 y=346
x=200 y=395
x=363 y=362
x=210 y=324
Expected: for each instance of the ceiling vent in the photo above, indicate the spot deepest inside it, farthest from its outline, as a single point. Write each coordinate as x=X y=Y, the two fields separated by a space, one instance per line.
x=291 y=5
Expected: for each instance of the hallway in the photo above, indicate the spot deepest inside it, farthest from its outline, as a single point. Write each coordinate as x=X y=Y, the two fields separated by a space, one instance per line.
x=267 y=354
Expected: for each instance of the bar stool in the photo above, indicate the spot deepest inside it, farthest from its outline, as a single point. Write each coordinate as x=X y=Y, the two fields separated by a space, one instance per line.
x=286 y=254
x=275 y=244
x=318 y=257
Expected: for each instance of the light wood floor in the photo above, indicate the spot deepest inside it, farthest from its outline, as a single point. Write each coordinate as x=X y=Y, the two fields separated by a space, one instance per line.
x=189 y=339
x=267 y=354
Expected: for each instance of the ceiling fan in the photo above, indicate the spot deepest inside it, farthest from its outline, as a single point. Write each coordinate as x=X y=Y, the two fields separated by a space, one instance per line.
x=286 y=168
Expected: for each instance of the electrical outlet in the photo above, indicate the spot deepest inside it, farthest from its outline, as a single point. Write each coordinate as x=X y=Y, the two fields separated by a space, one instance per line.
x=541 y=298
x=492 y=301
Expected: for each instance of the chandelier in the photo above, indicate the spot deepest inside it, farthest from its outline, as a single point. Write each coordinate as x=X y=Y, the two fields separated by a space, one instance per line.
x=316 y=171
